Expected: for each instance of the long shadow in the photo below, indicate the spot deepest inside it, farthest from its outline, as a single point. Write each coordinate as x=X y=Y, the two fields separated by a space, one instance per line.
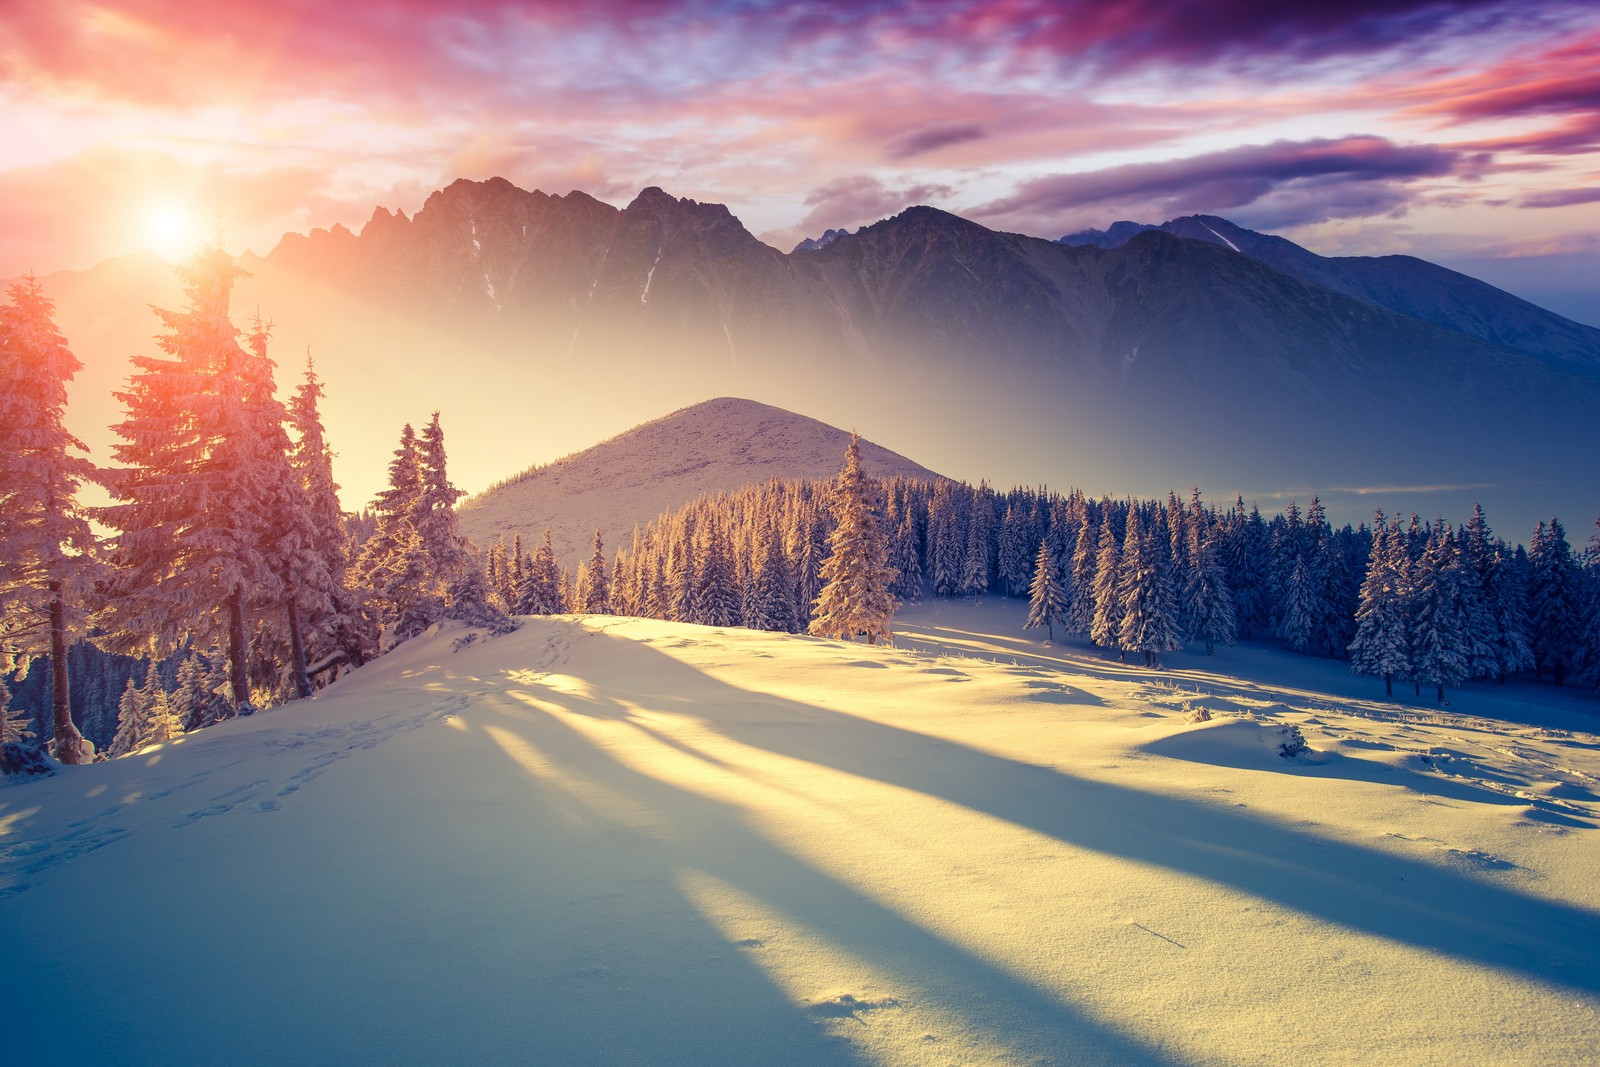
x=709 y=836
x=1408 y=902
x=1339 y=765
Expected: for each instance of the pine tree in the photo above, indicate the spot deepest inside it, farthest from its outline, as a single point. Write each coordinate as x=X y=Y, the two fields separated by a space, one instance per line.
x=1015 y=572
x=192 y=555
x=1207 y=600
x=1555 y=604
x=596 y=596
x=1506 y=594
x=1047 y=601
x=1080 y=615
x=771 y=600
x=1382 y=642
x=47 y=549
x=945 y=540
x=855 y=597
x=395 y=566
x=16 y=725
x=1149 y=606
x=1438 y=629
x=132 y=712
x=717 y=595
x=333 y=628
x=905 y=558
x=1106 y=626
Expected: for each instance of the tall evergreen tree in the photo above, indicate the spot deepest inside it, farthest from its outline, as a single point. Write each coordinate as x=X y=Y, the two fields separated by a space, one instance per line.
x=332 y=624
x=855 y=597
x=1555 y=605
x=1382 y=642
x=47 y=549
x=596 y=594
x=1207 y=600
x=192 y=554
x=1149 y=617
x=1105 y=627
x=717 y=595
x=1047 y=601
x=1438 y=629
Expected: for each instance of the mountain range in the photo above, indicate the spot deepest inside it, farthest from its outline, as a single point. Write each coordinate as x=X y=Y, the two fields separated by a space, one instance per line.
x=1147 y=359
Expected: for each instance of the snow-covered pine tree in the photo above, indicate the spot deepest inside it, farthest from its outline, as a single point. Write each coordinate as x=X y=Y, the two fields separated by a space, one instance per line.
x=596 y=595
x=855 y=597
x=946 y=540
x=161 y=722
x=1506 y=594
x=1047 y=601
x=1438 y=630
x=1016 y=573
x=333 y=628
x=717 y=596
x=1300 y=607
x=394 y=566
x=132 y=711
x=1149 y=606
x=1105 y=626
x=191 y=555
x=1555 y=606
x=1382 y=643
x=16 y=725
x=905 y=558
x=772 y=599
x=1207 y=600
x=47 y=549
x=1080 y=613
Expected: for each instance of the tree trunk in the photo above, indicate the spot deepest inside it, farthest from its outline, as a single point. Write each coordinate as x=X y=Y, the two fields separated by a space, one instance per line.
x=1388 y=685
x=297 y=651
x=68 y=741
x=236 y=653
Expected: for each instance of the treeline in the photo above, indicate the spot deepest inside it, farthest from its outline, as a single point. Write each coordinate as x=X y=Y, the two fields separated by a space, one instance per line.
x=224 y=576
x=1426 y=603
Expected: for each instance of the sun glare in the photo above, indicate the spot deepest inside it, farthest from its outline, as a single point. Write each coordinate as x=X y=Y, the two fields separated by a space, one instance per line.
x=170 y=232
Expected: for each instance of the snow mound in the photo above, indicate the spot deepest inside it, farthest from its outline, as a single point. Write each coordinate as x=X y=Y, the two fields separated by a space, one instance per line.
x=1233 y=743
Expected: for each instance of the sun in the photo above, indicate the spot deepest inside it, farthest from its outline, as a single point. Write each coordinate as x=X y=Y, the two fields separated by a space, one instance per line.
x=171 y=232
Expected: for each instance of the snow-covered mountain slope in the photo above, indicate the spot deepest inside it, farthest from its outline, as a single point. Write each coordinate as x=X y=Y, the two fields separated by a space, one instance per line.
x=603 y=840
x=712 y=447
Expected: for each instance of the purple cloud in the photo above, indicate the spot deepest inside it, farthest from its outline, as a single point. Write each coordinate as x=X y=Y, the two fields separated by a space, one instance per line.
x=1286 y=182
x=933 y=135
x=1561 y=198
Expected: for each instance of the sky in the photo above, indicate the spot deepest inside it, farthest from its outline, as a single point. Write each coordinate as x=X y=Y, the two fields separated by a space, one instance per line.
x=1465 y=132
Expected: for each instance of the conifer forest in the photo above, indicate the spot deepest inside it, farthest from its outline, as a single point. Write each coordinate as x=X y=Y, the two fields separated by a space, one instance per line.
x=224 y=577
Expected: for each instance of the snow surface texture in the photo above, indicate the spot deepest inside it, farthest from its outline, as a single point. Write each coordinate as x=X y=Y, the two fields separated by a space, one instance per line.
x=604 y=840
x=717 y=446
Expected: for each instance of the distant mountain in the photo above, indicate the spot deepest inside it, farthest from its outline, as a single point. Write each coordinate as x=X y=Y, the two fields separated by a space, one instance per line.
x=540 y=323
x=813 y=244
x=717 y=446
x=1405 y=284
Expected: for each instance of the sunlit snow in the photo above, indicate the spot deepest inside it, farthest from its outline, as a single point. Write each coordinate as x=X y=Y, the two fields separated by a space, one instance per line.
x=605 y=840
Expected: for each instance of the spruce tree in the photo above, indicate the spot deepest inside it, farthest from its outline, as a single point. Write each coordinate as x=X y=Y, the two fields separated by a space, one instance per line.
x=16 y=725
x=1382 y=642
x=772 y=602
x=1047 y=601
x=717 y=595
x=1555 y=604
x=1149 y=606
x=1207 y=600
x=332 y=624
x=192 y=554
x=1106 y=624
x=1438 y=628
x=597 y=589
x=855 y=596
x=47 y=550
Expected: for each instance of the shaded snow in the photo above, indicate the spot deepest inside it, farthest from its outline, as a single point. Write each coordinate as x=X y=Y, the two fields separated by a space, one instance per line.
x=604 y=840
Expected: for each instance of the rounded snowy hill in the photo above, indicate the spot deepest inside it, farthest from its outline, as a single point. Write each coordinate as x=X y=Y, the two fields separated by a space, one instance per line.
x=716 y=446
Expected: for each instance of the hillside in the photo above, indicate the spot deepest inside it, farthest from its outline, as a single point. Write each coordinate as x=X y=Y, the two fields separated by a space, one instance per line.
x=716 y=446
x=607 y=840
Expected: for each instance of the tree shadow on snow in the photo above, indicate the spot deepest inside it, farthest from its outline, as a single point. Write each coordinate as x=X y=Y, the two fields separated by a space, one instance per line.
x=1408 y=902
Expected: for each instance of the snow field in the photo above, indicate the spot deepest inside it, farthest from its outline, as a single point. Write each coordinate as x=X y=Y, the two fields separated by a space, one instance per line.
x=603 y=840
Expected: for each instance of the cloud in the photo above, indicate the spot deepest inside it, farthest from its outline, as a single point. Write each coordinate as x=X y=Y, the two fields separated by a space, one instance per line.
x=1561 y=198
x=1283 y=183
x=933 y=135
